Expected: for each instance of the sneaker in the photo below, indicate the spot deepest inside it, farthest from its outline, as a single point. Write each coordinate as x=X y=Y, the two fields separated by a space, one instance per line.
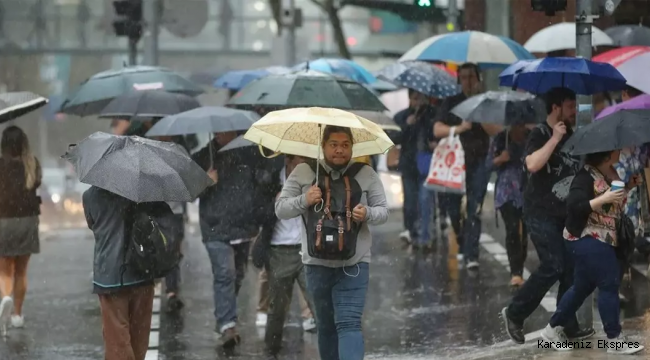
x=18 y=321
x=515 y=331
x=472 y=265
x=405 y=236
x=6 y=307
x=230 y=338
x=261 y=319
x=174 y=304
x=582 y=334
x=309 y=325
x=555 y=336
x=622 y=346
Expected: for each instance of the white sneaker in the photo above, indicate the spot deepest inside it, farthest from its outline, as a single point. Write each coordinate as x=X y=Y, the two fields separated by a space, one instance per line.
x=6 y=307
x=17 y=321
x=472 y=265
x=555 y=336
x=309 y=324
x=405 y=236
x=623 y=346
x=261 y=319
x=460 y=257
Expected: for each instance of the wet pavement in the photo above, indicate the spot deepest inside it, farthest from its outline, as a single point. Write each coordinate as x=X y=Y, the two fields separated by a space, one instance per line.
x=419 y=307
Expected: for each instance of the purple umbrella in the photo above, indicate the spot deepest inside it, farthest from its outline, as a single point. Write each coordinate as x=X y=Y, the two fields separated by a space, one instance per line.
x=640 y=102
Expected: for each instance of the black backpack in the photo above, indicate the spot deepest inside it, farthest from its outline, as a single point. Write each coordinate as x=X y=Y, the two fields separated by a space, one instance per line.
x=151 y=248
x=331 y=232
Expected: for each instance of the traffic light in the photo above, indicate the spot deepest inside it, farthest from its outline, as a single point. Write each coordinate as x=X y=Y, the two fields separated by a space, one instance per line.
x=424 y=3
x=129 y=18
x=549 y=7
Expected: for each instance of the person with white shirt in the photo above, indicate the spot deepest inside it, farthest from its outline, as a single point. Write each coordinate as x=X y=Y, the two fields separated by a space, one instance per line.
x=285 y=268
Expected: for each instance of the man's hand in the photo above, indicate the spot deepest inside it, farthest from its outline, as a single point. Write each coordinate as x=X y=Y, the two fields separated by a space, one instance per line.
x=212 y=173
x=314 y=195
x=502 y=159
x=559 y=130
x=464 y=126
x=359 y=213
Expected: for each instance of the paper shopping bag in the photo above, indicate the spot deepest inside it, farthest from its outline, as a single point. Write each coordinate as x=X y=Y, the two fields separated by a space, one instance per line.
x=447 y=170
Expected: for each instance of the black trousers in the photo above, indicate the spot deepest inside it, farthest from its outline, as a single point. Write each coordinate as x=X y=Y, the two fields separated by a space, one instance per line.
x=516 y=237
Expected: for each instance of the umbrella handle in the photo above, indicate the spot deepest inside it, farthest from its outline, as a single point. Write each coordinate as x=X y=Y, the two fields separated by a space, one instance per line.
x=274 y=155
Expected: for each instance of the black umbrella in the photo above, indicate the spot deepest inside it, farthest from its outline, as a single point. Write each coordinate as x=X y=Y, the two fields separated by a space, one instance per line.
x=307 y=88
x=17 y=104
x=206 y=119
x=139 y=169
x=622 y=129
x=150 y=104
x=96 y=92
x=502 y=107
x=629 y=35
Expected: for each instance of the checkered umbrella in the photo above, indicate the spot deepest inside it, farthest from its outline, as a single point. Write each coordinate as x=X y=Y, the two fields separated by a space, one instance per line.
x=17 y=104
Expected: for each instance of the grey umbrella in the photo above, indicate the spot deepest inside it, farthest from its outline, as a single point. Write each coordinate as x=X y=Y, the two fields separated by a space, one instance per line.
x=501 y=107
x=238 y=142
x=149 y=104
x=206 y=119
x=139 y=169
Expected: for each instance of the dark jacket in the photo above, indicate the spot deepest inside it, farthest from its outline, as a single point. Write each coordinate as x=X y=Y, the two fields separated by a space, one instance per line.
x=15 y=200
x=414 y=138
x=236 y=206
x=104 y=213
x=578 y=202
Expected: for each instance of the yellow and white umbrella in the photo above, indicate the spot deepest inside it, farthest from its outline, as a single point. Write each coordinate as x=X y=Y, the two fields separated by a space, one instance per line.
x=298 y=131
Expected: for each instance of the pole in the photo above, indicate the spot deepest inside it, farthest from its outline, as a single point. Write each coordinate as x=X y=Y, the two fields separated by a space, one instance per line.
x=133 y=51
x=151 y=17
x=584 y=21
x=452 y=16
x=291 y=32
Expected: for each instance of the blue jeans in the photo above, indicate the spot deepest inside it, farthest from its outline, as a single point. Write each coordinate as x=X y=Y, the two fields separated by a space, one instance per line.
x=228 y=270
x=339 y=297
x=427 y=213
x=596 y=266
x=410 y=187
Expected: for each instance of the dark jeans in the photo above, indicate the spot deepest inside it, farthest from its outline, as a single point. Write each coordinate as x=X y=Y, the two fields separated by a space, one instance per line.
x=173 y=279
x=339 y=295
x=450 y=205
x=596 y=266
x=428 y=209
x=556 y=264
x=228 y=270
x=285 y=269
x=516 y=237
x=410 y=187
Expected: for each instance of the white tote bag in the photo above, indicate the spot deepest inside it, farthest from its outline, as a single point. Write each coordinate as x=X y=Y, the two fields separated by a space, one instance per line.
x=447 y=170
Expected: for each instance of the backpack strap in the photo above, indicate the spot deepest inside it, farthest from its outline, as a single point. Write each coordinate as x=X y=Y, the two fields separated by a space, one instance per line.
x=328 y=198
x=348 y=197
x=354 y=169
x=341 y=233
x=319 y=233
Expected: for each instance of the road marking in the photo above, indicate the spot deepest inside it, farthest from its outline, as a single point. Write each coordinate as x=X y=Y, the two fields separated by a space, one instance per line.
x=154 y=336
x=497 y=251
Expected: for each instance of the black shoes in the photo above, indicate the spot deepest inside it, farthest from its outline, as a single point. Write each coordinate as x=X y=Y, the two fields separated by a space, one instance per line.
x=514 y=330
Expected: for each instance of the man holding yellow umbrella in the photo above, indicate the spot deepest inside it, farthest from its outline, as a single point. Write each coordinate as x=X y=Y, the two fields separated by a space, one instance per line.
x=337 y=198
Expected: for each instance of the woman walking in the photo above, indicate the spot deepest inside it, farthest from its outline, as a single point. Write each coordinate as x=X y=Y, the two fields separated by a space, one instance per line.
x=593 y=210
x=506 y=156
x=20 y=176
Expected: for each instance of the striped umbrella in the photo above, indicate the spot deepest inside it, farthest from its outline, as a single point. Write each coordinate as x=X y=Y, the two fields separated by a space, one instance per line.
x=633 y=62
x=469 y=46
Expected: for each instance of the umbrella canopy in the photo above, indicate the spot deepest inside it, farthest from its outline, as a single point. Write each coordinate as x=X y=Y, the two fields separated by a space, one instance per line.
x=142 y=105
x=235 y=80
x=622 y=129
x=139 y=169
x=237 y=143
x=382 y=86
x=501 y=107
x=307 y=88
x=469 y=46
x=562 y=36
x=421 y=77
x=379 y=118
x=206 y=119
x=299 y=132
x=632 y=62
x=95 y=93
x=17 y=104
x=582 y=76
x=641 y=102
x=339 y=67
x=629 y=35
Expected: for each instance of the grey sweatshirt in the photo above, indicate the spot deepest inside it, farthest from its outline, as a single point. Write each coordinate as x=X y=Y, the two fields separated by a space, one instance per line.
x=293 y=202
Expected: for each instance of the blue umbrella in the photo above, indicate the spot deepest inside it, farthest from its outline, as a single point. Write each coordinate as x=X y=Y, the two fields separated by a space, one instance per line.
x=582 y=76
x=339 y=67
x=421 y=77
x=237 y=79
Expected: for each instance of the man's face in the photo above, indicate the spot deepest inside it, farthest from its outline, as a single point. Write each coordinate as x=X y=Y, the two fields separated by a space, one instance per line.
x=469 y=81
x=416 y=100
x=338 y=149
x=568 y=114
x=223 y=138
